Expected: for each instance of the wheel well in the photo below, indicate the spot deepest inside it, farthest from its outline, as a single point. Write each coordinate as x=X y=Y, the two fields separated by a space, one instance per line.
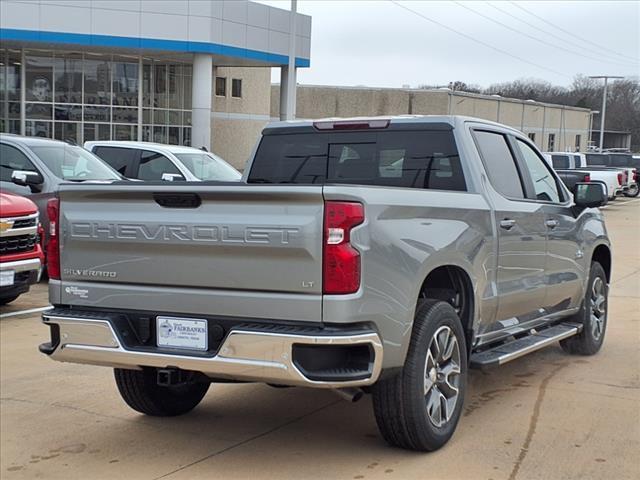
x=602 y=255
x=452 y=285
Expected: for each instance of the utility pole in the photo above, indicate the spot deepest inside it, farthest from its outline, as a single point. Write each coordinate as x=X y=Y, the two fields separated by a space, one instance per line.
x=604 y=105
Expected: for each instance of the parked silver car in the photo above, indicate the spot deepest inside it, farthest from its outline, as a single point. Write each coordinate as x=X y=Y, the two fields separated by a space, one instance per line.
x=34 y=167
x=156 y=161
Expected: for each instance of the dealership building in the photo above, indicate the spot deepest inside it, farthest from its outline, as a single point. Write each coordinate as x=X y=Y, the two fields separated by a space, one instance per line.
x=190 y=72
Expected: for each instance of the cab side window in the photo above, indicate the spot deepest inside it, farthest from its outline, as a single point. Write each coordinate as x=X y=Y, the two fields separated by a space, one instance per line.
x=499 y=163
x=153 y=165
x=544 y=183
x=12 y=159
x=119 y=158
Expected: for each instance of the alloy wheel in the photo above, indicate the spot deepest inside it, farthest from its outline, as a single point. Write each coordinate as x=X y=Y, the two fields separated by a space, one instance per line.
x=442 y=376
x=598 y=312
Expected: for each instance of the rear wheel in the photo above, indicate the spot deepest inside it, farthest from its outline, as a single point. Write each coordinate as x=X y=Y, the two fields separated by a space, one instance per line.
x=419 y=408
x=633 y=191
x=140 y=390
x=592 y=316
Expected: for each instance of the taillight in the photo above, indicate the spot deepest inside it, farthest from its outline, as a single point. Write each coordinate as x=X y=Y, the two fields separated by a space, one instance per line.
x=620 y=179
x=587 y=178
x=635 y=176
x=341 y=262
x=53 y=246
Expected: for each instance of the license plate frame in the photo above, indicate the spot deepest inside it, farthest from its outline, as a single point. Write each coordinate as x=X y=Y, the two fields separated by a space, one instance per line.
x=181 y=333
x=7 y=278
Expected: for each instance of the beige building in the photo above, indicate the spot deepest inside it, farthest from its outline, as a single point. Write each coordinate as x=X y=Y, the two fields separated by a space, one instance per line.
x=551 y=127
x=238 y=117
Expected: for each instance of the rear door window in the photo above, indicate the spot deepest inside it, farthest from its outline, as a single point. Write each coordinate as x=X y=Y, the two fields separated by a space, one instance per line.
x=153 y=165
x=120 y=159
x=416 y=159
x=499 y=163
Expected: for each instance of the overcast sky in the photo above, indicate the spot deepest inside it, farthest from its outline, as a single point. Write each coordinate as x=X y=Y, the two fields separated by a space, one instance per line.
x=379 y=43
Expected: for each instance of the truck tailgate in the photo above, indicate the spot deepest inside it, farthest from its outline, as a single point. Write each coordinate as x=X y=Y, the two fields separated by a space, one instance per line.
x=209 y=249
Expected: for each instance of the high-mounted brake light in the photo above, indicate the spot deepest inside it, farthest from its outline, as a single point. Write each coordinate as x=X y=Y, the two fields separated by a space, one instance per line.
x=351 y=124
x=53 y=246
x=341 y=262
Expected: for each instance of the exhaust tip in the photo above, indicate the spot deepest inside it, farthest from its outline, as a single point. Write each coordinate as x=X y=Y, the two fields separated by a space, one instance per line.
x=351 y=395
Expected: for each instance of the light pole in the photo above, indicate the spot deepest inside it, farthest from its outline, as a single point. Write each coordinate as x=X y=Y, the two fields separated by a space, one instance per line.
x=591 y=114
x=604 y=105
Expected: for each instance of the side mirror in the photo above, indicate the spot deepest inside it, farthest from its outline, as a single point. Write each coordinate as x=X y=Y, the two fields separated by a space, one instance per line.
x=172 y=177
x=589 y=195
x=26 y=178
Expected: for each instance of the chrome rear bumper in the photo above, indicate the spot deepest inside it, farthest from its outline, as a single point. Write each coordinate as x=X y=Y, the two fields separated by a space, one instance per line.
x=244 y=355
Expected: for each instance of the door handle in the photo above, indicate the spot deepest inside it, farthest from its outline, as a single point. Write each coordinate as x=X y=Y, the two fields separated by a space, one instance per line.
x=551 y=223
x=507 y=223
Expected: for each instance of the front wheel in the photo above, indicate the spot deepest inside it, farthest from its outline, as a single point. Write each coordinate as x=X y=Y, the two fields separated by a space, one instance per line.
x=140 y=390
x=592 y=316
x=419 y=408
x=633 y=191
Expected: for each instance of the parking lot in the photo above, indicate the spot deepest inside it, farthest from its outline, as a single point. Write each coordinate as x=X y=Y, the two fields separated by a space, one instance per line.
x=547 y=415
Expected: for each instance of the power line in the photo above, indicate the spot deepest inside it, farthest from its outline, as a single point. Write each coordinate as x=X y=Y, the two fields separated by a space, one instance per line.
x=544 y=42
x=546 y=32
x=573 y=34
x=469 y=37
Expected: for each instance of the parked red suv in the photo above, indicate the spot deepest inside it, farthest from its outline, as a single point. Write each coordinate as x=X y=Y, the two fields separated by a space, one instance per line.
x=21 y=256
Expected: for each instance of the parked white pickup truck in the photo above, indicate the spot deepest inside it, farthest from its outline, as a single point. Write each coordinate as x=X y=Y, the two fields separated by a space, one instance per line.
x=612 y=179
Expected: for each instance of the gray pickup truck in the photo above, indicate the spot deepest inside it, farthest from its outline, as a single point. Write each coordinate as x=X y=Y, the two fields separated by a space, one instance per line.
x=384 y=256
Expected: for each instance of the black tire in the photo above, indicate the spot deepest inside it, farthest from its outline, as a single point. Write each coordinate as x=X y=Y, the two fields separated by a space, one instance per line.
x=633 y=191
x=5 y=300
x=140 y=390
x=589 y=341
x=400 y=402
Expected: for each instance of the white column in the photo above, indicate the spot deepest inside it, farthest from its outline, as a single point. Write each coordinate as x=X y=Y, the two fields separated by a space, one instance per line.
x=202 y=85
x=287 y=93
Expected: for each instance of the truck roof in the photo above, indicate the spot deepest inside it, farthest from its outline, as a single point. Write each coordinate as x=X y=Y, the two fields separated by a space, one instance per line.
x=452 y=120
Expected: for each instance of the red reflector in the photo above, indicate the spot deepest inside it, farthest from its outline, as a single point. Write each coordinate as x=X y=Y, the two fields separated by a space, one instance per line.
x=53 y=246
x=341 y=262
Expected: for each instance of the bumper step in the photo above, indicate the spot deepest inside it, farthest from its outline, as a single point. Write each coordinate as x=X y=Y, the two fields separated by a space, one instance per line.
x=511 y=350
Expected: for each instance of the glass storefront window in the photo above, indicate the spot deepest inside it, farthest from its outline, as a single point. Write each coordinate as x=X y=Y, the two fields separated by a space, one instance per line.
x=175 y=86
x=93 y=113
x=97 y=131
x=89 y=96
x=68 y=112
x=38 y=129
x=174 y=135
x=13 y=110
x=39 y=78
x=68 y=78
x=160 y=134
x=125 y=115
x=67 y=131
x=11 y=78
x=125 y=84
x=125 y=132
x=39 y=110
x=97 y=80
x=187 y=71
x=160 y=86
x=147 y=84
x=160 y=117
